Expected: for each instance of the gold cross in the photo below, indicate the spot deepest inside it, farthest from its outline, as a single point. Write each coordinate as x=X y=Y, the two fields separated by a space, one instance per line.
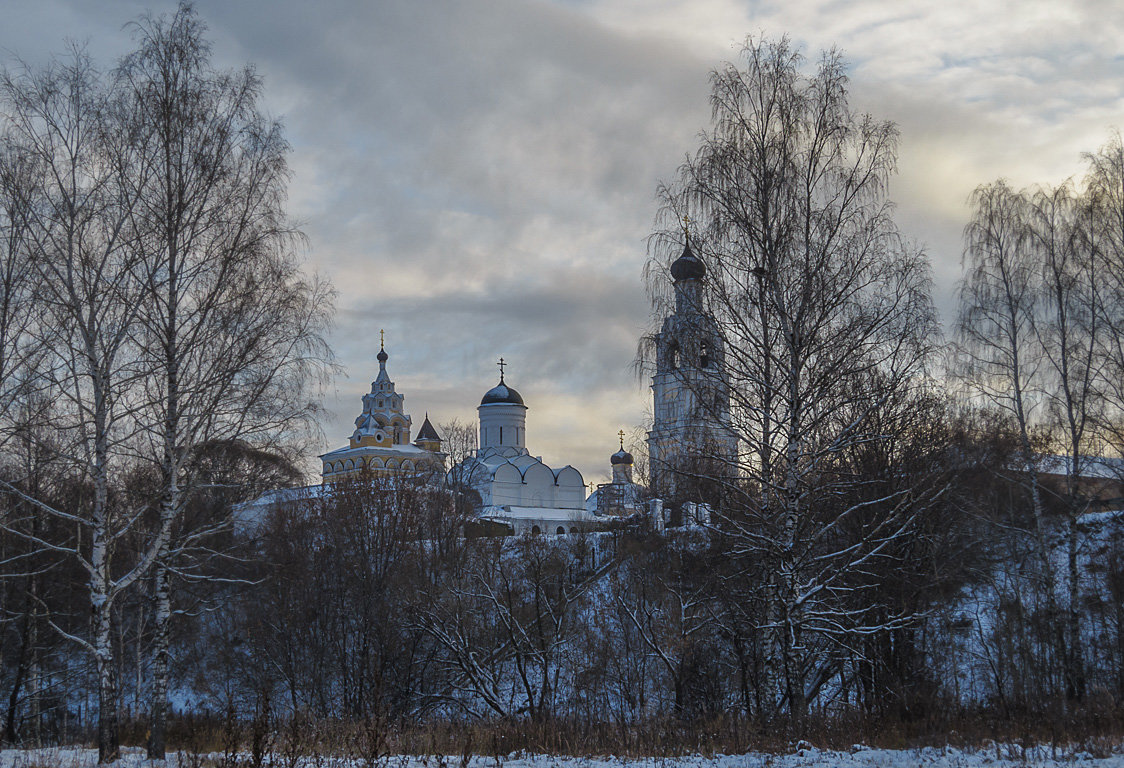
x=686 y=225
x=501 y=364
x=382 y=339
x=621 y=433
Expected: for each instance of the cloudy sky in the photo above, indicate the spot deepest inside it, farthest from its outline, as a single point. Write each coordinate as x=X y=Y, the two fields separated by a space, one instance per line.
x=478 y=177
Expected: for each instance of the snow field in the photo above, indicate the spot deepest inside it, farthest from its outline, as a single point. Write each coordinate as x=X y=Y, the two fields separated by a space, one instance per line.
x=995 y=756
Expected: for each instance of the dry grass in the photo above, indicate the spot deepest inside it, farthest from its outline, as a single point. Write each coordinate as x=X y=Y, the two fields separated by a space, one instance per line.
x=224 y=742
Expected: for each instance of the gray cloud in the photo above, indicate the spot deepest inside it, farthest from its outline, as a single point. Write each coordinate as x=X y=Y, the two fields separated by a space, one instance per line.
x=479 y=177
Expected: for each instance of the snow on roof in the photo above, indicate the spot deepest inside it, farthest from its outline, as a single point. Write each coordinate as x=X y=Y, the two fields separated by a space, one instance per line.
x=556 y=514
x=251 y=511
x=406 y=449
x=491 y=462
x=1103 y=467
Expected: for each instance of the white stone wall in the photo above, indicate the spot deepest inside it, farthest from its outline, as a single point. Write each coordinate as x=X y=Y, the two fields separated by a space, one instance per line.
x=503 y=425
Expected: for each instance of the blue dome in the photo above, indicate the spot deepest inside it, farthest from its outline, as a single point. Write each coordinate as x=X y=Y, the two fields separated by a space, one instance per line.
x=501 y=394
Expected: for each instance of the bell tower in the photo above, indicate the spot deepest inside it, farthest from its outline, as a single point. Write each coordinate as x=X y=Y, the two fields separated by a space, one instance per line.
x=690 y=441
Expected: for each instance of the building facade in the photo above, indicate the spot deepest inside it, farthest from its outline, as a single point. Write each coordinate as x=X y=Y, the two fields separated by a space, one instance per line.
x=381 y=440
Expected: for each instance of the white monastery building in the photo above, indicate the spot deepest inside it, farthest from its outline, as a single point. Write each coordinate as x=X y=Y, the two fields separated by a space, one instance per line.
x=381 y=440
x=519 y=492
x=515 y=488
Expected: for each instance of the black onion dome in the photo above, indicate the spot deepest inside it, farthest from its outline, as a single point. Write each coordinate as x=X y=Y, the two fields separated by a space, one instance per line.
x=621 y=457
x=687 y=266
x=501 y=394
x=382 y=356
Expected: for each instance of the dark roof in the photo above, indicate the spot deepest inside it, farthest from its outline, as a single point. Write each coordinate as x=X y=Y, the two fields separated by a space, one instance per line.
x=621 y=457
x=501 y=394
x=427 y=432
x=687 y=266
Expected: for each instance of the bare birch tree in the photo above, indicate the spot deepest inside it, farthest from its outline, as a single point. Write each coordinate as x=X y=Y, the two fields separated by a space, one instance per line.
x=228 y=325
x=66 y=120
x=1105 y=198
x=825 y=315
x=171 y=313
x=1065 y=248
x=998 y=348
x=1031 y=326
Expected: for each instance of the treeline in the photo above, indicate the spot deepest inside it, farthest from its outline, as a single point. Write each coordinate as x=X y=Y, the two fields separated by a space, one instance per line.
x=371 y=604
x=365 y=619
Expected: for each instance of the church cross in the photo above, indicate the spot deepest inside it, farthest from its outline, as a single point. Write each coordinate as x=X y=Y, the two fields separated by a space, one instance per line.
x=382 y=339
x=501 y=364
x=621 y=435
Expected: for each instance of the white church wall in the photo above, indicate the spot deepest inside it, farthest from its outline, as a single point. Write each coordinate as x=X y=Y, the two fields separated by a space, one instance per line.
x=539 y=486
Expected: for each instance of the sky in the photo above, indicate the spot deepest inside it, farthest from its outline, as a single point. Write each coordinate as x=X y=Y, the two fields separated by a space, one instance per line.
x=478 y=177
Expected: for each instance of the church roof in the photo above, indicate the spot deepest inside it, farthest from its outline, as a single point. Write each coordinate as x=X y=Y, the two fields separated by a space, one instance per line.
x=501 y=394
x=621 y=457
x=404 y=449
x=427 y=432
x=687 y=266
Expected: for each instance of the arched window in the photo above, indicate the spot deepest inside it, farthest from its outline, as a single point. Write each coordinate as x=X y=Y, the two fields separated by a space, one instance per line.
x=673 y=355
x=535 y=530
x=561 y=531
x=704 y=355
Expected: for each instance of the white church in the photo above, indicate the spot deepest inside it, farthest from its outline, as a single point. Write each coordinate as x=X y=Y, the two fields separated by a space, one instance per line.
x=518 y=491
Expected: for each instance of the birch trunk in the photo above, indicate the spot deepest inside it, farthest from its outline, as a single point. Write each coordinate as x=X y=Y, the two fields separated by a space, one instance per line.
x=101 y=605
x=160 y=657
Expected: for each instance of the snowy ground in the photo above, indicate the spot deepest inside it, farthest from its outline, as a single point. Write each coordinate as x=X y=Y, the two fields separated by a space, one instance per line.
x=858 y=757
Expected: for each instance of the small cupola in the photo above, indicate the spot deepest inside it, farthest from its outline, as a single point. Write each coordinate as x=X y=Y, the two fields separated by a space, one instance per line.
x=622 y=463
x=501 y=394
x=503 y=419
